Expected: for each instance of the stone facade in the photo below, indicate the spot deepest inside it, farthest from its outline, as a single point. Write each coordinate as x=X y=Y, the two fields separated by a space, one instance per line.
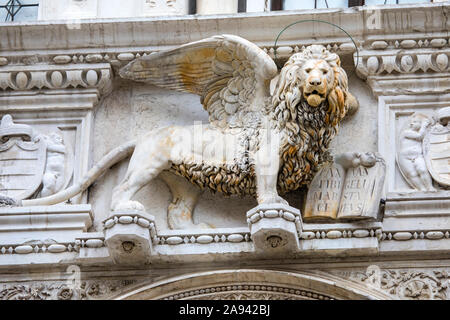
x=374 y=223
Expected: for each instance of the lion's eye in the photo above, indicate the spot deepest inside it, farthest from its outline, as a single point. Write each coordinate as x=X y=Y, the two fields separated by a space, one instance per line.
x=308 y=70
x=324 y=71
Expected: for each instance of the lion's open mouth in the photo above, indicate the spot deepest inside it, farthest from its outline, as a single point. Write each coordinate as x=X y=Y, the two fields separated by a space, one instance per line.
x=314 y=98
x=307 y=94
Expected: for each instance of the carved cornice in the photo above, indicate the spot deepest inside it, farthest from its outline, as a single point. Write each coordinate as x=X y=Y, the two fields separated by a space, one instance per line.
x=401 y=61
x=231 y=236
x=239 y=237
x=117 y=41
x=55 y=77
x=389 y=71
x=330 y=231
x=415 y=70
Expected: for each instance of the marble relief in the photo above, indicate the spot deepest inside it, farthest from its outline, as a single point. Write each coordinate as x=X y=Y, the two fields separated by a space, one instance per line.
x=33 y=164
x=423 y=151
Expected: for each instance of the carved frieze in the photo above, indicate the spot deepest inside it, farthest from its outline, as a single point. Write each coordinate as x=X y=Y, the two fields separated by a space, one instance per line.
x=59 y=290
x=403 y=62
x=271 y=125
x=409 y=284
x=77 y=76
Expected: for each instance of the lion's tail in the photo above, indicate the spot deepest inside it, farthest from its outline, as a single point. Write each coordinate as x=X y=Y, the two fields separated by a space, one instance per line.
x=113 y=157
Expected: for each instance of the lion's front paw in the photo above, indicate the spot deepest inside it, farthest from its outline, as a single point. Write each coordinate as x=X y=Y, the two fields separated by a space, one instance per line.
x=272 y=198
x=128 y=206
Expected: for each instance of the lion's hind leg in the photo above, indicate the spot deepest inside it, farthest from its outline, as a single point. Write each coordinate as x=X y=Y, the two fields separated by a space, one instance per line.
x=147 y=162
x=184 y=198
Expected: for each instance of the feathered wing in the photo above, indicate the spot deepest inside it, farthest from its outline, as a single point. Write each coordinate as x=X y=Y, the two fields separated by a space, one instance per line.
x=230 y=74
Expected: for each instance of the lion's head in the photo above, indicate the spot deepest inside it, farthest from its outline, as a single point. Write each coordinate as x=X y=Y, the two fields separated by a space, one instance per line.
x=315 y=75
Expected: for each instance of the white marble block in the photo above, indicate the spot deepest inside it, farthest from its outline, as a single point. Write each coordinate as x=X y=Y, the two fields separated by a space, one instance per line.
x=324 y=192
x=128 y=237
x=275 y=228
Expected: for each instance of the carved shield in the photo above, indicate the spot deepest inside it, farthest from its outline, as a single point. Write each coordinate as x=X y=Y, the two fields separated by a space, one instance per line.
x=436 y=150
x=22 y=166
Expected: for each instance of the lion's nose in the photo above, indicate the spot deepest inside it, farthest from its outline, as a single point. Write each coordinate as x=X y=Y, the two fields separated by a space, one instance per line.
x=315 y=82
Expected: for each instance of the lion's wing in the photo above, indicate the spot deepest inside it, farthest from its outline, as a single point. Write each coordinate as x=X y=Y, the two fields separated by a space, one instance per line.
x=229 y=73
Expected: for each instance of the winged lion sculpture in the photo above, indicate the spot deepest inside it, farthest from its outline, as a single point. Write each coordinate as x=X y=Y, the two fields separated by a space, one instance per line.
x=274 y=143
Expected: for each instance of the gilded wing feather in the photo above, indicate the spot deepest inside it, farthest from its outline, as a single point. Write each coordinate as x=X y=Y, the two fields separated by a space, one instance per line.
x=229 y=73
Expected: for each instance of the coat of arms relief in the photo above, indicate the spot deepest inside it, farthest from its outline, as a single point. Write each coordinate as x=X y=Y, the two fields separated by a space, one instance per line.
x=423 y=151
x=32 y=164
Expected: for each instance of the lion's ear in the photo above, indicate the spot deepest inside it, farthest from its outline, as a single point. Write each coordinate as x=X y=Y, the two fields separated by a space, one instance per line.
x=351 y=103
x=336 y=104
x=341 y=79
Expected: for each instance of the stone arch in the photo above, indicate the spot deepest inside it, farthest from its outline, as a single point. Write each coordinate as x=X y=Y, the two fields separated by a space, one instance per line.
x=241 y=284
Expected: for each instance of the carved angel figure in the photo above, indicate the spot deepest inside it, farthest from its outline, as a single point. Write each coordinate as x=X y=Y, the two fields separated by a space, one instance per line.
x=410 y=157
x=54 y=172
x=255 y=144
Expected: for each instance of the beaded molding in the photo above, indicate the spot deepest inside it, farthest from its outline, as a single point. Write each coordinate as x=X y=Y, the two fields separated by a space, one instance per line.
x=337 y=234
x=416 y=235
x=260 y=289
x=204 y=239
x=40 y=248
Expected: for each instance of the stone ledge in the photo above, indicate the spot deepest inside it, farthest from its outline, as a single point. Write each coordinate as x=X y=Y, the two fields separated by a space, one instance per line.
x=59 y=223
x=66 y=226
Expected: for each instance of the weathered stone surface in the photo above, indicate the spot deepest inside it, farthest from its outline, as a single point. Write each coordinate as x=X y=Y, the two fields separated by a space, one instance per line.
x=324 y=193
x=56 y=80
x=349 y=188
x=272 y=232
x=362 y=191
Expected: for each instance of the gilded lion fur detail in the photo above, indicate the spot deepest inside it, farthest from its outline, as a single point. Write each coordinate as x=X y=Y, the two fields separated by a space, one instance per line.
x=307 y=132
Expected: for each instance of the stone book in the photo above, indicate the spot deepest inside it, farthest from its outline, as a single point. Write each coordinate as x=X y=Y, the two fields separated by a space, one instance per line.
x=340 y=192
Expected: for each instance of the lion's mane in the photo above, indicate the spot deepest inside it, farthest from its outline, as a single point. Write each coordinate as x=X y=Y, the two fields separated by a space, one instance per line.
x=307 y=132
